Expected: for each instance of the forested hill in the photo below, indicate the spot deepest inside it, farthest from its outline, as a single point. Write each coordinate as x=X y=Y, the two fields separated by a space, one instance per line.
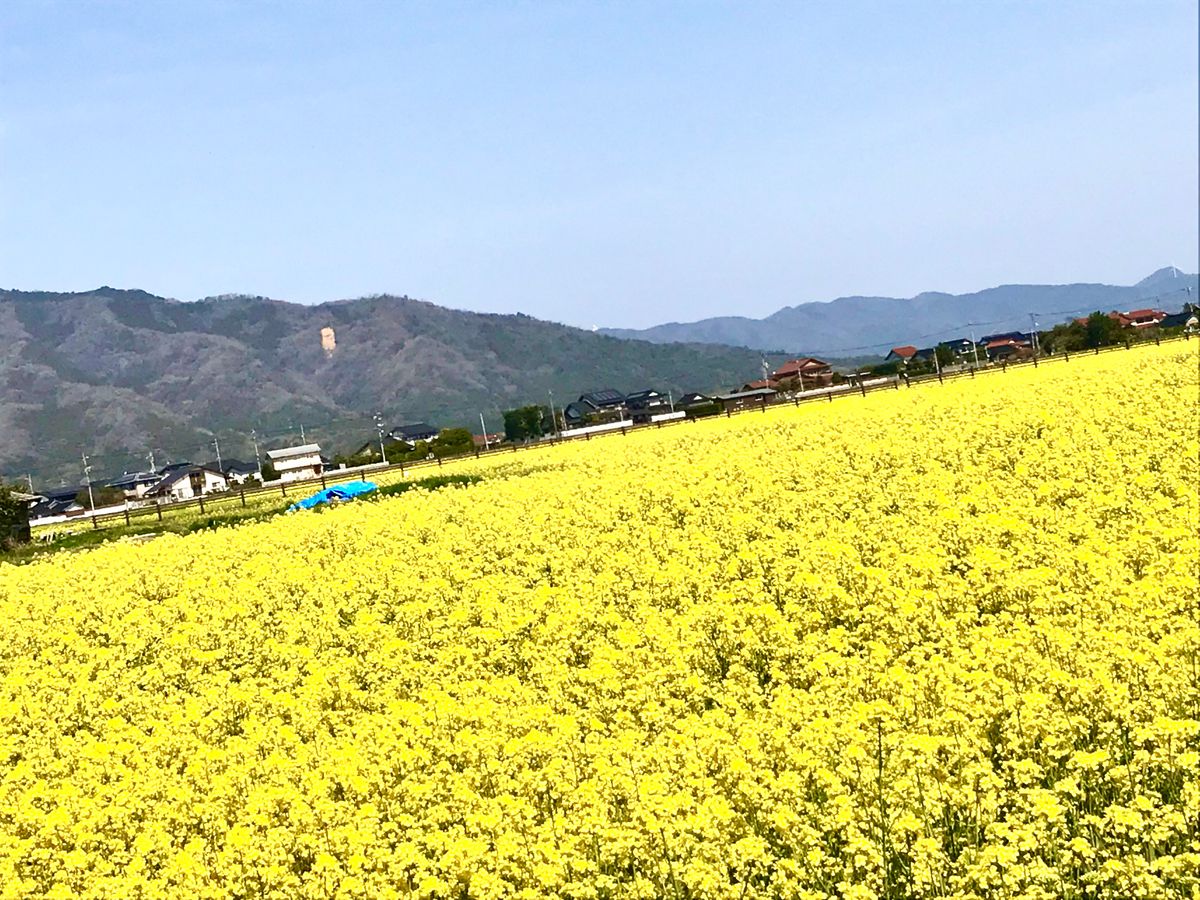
x=118 y=374
x=851 y=326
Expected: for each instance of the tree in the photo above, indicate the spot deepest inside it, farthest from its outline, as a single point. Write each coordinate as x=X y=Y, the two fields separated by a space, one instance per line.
x=14 y=518
x=526 y=423
x=452 y=442
x=1103 y=331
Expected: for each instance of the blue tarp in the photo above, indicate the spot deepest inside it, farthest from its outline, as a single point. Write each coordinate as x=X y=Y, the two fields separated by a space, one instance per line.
x=340 y=492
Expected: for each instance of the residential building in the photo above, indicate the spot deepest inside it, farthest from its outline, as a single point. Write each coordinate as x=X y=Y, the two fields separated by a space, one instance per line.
x=1144 y=318
x=806 y=372
x=239 y=472
x=604 y=404
x=410 y=434
x=745 y=398
x=187 y=483
x=135 y=485
x=297 y=463
x=904 y=354
x=1006 y=348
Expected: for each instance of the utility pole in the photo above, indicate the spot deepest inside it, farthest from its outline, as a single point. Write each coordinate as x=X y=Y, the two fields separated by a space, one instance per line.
x=553 y=417
x=764 y=370
x=220 y=465
x=974 y=348
x=257 y=458
x=302 y=438
x=1034 y=333
x=150 y=457
x=87 y=476
x=379 y=428
x=671 y=401
x=483 y=425
x=29 y=478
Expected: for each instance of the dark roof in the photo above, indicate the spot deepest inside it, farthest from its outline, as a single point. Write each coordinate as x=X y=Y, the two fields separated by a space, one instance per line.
x=415 y=432
x=133 y=479
x=237 y=467
x=1006 y=336
x=600 y=399
x=640 y=399
x=64 y=493
x=171 y=467
x=745 y=395
x=48 y=507
x=1174 y=320
x=693 y=399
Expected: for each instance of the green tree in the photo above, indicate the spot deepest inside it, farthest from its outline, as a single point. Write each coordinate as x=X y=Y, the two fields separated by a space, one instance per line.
x=14 y=518
x=1103 y=331
x=452 y=442
x=526 y=423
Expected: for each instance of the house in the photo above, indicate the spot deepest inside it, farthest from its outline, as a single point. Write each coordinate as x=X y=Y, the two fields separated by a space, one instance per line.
x=646 y=399
x=410 y=434
x=57 y=502
x=602 y=404
x=745 y=398
x=187 y=483
x=1186 y=318
x=1144 y=318
x=693 y=399
x=1006 y=348
x=239 y=472
x=644 y=405
x=135 y=485
x=805 y=372
x=959 y=346
x=757 y=385
x=297 y=463
x=486 y=441
x=904 y=354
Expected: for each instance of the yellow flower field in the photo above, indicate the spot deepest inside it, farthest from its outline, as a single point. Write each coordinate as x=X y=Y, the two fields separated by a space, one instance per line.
x=935 y=642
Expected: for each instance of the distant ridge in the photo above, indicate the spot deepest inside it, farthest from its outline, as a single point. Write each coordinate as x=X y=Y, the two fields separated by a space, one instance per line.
x=863 y=326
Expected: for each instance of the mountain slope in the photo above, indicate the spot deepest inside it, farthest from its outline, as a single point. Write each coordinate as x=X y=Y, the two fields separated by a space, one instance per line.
x=119 y=374
x=861 y=325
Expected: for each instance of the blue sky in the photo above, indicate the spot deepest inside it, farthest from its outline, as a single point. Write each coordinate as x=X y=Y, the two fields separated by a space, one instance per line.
x=615 y=164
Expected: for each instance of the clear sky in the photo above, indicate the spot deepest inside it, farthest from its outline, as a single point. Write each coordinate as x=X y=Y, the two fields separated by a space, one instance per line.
x=595 y=163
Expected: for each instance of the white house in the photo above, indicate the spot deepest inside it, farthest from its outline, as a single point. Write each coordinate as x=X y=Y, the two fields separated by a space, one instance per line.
x=297 y=463
x=189 y=482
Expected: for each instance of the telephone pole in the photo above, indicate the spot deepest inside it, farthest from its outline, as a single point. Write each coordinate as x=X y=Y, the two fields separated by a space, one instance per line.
x=553 y=417
x=483 y=425
x=220 y=466
x=150 y=457
x=87 y=476
x=379 y=428
x=257 y=458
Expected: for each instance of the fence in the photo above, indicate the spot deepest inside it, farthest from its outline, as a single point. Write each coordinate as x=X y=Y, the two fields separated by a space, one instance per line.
x=242 y=496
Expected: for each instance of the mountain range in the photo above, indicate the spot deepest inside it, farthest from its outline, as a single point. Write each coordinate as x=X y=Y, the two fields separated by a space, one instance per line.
x=867 y=326
x=122 y=374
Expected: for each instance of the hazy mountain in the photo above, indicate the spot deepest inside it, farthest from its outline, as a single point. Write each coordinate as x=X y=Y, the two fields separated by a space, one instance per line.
x=119 y=374
x=851 y=326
